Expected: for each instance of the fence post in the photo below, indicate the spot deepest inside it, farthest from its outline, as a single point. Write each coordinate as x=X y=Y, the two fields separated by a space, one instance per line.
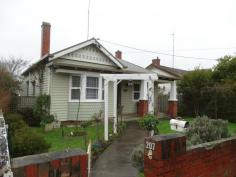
x=5 y=165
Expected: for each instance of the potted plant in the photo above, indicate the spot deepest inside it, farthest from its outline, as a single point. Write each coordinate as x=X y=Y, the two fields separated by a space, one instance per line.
x=149 y=122
x=47 y=122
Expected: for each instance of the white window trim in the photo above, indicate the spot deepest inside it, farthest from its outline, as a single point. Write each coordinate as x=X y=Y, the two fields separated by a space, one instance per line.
x=70 y=88
x=95 y=88
x=136 y=100
x=83 y=80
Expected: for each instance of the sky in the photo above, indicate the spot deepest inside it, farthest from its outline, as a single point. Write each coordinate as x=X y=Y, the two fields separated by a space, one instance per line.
x=203 y=29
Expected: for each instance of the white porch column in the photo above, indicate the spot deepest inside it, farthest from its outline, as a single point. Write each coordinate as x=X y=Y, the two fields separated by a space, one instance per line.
x=115 y=106
x=151 y=96
x=106 y=82
x=173 y=91
x=143 y=90
x=173 y=106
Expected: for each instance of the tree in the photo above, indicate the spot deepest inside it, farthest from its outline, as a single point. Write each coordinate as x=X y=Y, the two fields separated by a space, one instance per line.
x=194 y=88
x=225 y=69
x=13 y=65
x=211 y=92
x=8 y=87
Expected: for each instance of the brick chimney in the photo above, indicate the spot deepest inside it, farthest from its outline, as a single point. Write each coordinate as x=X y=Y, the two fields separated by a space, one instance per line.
x=45 y=38
x=119 y=54
x=156 y=62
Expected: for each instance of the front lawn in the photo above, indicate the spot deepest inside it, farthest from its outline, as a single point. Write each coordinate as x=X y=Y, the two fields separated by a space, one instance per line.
x=59 y=143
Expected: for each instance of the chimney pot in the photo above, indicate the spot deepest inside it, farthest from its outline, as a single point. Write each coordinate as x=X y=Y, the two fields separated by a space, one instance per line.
x=156 y=62
x=45 y=38
x=118 y=54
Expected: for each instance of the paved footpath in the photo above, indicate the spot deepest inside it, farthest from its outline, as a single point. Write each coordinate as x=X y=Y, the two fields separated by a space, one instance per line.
x=115 y=160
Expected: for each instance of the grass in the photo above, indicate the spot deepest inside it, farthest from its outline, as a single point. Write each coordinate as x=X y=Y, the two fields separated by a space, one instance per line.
x=232 y=128
x=59 y=143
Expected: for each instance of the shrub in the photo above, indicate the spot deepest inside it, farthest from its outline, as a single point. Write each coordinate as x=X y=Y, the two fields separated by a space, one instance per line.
x=149 y=122
x=29 y=117
x=22 y=140
x=42 y=105
x=27 y=143
x=204 y=130
x=46 y=119
x=42 y=109
x=137 y=157
x=15 y=123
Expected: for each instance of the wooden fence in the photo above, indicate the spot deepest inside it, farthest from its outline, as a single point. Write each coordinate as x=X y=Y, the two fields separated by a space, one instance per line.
x=162 y=102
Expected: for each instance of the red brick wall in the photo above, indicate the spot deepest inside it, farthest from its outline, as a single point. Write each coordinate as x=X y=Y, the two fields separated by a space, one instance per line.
x=172 y=108
x=56 y=164
x=142 y=107
x=170 y=158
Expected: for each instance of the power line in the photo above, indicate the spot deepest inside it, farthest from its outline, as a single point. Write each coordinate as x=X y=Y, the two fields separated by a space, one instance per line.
x=157 y=52
x=200 y=49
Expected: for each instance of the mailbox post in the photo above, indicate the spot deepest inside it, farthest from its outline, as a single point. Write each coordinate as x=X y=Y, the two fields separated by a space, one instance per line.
x=159 y=149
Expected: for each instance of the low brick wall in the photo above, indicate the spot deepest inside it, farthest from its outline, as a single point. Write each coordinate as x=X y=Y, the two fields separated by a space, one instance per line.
x=167 y=156
x=55 y=164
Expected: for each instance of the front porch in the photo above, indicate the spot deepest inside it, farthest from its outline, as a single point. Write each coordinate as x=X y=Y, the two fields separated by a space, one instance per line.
x=146 y=95
x=138 y=101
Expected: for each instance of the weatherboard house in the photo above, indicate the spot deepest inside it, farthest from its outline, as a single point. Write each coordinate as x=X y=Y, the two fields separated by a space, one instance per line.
x=88 y=76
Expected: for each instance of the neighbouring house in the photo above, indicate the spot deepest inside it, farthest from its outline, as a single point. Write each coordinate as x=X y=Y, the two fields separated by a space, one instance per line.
x=86 y=78
x=167 y=78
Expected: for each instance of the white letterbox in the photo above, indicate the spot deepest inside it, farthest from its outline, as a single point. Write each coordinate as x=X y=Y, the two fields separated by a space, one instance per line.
x=179 y=125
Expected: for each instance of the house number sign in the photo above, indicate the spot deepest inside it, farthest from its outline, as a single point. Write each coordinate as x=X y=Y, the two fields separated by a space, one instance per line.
x=150 y=146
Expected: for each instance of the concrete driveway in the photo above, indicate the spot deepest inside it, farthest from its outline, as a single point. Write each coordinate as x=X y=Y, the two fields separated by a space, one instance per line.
x=115 y=160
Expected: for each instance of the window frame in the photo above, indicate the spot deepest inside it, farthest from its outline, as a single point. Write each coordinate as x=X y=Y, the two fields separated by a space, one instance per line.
x=71 y=88
x=95 y=88
x=134 y=91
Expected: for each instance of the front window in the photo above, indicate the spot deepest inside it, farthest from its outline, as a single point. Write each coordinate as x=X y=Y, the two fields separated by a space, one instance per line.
x=136 y=91
x=92 y=86
x=75 y=88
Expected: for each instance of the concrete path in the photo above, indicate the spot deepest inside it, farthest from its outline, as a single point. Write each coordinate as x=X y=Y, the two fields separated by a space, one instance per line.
x=115 y=160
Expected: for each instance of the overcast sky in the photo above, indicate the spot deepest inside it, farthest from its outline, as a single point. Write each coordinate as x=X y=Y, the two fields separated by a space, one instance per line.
x=203 y=28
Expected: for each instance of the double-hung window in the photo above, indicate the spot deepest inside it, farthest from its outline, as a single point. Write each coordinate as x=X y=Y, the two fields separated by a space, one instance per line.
x=75 y=88
x=92 y=87
x=136 y=91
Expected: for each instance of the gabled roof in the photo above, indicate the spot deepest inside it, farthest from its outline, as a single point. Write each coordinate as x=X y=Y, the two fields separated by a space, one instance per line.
x=173 y=71
x=124 y=65
x=84 y=44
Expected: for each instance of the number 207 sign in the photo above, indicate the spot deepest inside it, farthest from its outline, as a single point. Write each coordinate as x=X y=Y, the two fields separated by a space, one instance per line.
x=150 y=146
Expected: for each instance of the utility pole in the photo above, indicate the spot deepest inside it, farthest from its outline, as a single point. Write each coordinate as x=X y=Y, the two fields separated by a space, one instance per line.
x=173 y=52
x=88 y=19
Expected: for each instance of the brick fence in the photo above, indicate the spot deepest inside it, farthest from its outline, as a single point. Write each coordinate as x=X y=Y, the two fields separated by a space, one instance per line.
x=167 y=156
x=55 y=164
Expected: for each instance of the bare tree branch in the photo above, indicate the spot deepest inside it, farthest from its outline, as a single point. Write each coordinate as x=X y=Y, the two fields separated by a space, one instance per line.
x=14 y=65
